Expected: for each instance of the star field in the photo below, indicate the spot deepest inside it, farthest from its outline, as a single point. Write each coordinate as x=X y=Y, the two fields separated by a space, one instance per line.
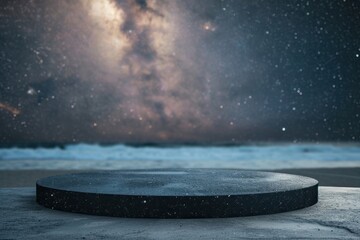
x=204 y=71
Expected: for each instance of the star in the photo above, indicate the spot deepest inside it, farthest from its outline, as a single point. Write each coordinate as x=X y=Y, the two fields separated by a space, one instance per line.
x=208 y=26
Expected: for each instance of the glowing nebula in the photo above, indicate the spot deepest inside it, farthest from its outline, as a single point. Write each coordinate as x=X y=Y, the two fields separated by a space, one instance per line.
x=175 y=71
x=14 y=111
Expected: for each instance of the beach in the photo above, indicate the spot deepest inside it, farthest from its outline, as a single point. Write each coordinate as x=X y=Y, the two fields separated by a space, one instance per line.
x=335 y=177
x=334 y=216
x=335 y=166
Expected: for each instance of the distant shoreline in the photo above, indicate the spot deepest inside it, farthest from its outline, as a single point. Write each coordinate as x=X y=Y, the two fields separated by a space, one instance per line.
x=62 y=145
x=336 y=177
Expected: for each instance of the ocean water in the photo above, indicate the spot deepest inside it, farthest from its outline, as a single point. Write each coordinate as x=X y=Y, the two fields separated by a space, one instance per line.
x=93 y=156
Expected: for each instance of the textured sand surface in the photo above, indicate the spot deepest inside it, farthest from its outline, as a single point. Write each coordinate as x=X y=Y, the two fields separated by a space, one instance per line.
x=335 y=216
x=337 y=177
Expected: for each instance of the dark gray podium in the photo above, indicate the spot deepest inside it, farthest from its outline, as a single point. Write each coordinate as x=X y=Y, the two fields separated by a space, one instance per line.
x=177 y=193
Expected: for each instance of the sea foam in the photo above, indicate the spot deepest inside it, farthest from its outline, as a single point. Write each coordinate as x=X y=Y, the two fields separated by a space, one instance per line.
x=93 y=156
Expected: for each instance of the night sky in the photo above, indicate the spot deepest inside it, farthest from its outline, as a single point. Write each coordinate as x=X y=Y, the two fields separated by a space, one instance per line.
x=206 y=71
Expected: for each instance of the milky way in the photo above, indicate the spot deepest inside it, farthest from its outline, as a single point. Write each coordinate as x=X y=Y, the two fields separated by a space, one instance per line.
x=179 y=71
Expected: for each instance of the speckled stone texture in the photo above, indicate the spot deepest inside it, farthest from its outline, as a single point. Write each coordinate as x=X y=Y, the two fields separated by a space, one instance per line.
x=335 y=216
x=172 y=193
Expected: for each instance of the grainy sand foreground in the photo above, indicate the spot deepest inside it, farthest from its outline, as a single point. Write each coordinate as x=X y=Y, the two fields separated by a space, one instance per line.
x=335 y=216
x=336 y=177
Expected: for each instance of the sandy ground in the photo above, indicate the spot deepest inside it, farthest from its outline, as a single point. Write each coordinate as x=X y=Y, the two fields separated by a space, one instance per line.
x=336 y=177
x=335 y=216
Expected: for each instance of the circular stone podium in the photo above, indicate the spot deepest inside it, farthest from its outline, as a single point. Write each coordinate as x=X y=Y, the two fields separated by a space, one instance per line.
x=177 y=193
